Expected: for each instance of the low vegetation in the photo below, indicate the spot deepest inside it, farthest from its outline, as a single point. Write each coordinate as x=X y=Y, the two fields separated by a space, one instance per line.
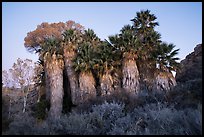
x=112 y=117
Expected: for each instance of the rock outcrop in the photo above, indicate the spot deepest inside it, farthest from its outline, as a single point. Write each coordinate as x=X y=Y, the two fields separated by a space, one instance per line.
x=188 y=91
x=191 y=66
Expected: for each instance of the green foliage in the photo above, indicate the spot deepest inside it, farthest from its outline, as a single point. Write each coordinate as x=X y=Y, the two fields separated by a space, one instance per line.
x=165 y=56
x=71 y=38
x=86 y=52
x=142 y=40
x=41 y=108
x=49 y=47
x=108 y=58
x=126 y=41
x=90 y=37
x=85 y=58
x=144 y=22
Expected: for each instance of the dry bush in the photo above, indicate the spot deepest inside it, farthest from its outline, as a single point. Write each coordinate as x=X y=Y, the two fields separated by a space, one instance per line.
x=110 y=118
x=120 y=113
x=187 y=94
x=5 y=114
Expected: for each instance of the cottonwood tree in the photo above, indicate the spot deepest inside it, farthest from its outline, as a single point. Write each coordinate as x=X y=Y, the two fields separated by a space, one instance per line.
x=22 y=73
x=6 y=80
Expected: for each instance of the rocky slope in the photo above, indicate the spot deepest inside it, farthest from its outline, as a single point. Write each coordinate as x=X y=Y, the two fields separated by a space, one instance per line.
x=191 y=66
x=188 y=91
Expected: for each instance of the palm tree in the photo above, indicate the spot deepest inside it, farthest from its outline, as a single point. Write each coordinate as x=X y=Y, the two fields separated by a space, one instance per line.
x=165 y=57
x=166 y=62
x=83 y=64
x=108 y=61
x=144 y=24
x=51 y=52
x=147 y=61
x=129 y=45
x=91 y=37
x=71 y=39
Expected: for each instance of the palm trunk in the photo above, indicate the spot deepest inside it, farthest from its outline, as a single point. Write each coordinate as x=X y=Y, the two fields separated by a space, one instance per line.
x=106 y=84
x=47 y=83
x=117 y=83
x=87 y=86
x=147 y=78
x=55 y=75
x=164 y=81
x=130 y=74
x=72 y=76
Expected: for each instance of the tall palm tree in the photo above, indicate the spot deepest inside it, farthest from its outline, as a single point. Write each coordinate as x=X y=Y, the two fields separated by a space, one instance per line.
x=51 y=52
x=143 y=25
x=107 y=63
x=71 y=39
x=129 y=45
x=147 y=61
x=83 y=64
x=166 y=62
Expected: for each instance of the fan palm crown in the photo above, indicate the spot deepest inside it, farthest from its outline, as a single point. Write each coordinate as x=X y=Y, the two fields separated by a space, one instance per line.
x=165 y=57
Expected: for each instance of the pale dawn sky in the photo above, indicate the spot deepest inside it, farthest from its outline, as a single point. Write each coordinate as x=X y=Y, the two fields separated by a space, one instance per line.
x=180 y=23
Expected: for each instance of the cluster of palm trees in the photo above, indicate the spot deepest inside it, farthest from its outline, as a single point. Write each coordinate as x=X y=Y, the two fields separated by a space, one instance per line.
x=95 y=67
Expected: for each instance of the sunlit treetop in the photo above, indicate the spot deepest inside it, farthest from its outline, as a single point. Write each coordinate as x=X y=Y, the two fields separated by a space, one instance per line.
x=35 y=39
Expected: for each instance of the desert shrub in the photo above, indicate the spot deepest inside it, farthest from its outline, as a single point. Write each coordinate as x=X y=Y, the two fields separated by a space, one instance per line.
x=40 y=109
x=23 y=124
x=98 y=121
x=74 y=124
x=111 y=118
x=121 y=125
x=195 y=89
x=108 y=114
x=159 y=119
x=87 y=105
x=166 y=120
x=120 y=96
x=5 y=114
x=187 y=94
